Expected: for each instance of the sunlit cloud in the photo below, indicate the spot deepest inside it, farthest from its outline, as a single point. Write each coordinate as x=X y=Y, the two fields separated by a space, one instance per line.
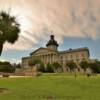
x=66 y=18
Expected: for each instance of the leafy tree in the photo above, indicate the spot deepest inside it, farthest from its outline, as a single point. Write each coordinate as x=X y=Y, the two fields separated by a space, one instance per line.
x=49 y=68
x=72 y=65
x=84 y=65
x=9 y=29
x=57 y=67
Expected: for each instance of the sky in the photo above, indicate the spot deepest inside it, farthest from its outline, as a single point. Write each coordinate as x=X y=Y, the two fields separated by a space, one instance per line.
x=75 y=24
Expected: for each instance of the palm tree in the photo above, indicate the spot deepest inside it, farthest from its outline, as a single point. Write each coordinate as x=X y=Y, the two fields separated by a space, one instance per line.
x=57 y=67
x=9 y=29
x=49 y=68
x=38 y=63
x=72 y=65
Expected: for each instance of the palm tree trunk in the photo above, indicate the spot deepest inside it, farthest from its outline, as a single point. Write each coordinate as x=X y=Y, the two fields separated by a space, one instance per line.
x=1 y=48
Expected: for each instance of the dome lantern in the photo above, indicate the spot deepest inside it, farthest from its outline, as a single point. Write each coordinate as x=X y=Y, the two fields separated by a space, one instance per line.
x=52 y=44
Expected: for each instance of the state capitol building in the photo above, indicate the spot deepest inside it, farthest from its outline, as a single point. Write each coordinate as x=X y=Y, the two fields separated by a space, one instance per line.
x=50 y=54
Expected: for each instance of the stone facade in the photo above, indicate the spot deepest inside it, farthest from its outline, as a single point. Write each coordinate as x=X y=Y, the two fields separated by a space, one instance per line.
x=51 y=54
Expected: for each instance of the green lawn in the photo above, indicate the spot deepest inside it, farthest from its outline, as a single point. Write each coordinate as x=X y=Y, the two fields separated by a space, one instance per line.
x=51 y=87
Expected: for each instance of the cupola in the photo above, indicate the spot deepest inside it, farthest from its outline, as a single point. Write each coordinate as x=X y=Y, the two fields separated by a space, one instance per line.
x=52 y=43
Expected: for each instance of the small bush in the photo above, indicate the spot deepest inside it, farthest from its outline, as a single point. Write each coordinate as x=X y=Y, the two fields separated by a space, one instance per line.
x=5 y=75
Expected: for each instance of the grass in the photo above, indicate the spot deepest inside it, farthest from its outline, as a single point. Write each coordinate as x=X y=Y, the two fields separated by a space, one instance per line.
x=51 y=87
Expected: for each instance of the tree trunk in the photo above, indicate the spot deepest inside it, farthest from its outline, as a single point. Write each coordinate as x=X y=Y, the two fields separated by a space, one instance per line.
x=1 y=48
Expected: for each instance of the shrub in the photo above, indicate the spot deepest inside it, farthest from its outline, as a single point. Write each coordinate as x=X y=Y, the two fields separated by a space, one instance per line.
x=5 y=75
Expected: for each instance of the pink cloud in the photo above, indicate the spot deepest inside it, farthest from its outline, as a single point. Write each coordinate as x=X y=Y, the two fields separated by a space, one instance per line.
x=67 y=18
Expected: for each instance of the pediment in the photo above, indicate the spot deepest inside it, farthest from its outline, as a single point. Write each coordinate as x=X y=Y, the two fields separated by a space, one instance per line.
x=42 y=51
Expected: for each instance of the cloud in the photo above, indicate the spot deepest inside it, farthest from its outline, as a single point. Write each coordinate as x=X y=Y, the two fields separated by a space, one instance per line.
x=74 y=18
x=12 y=61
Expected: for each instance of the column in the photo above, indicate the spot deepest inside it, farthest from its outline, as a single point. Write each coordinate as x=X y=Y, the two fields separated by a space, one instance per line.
x=43 y=58
x=53 y=57
x=46 y=59
x=50 y=58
